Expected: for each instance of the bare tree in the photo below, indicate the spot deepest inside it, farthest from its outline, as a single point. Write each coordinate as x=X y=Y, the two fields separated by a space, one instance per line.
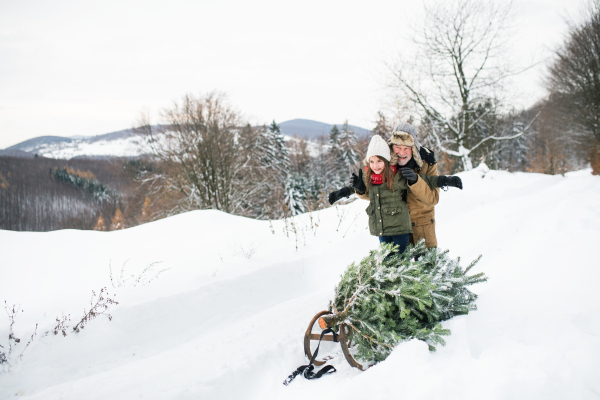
x=574 y=81
x=204 y=155
x=575 y=74
x=456 y=77
x=548 y=151
x=382 y=127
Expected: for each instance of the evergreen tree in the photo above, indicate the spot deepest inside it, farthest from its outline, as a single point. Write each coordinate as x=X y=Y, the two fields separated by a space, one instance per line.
x=342 y=155
x=347 y=155
x=321 y=175
x=295 y=194
x=334 y=137
x=332 y=166
x=84 y=180
x=388 y=298
x=273 y=170
x=317 y=191
x=382 y=128
x=273 y=150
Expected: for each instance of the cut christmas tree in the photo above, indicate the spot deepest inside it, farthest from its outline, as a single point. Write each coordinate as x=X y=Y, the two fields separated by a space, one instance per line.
x=389 y=298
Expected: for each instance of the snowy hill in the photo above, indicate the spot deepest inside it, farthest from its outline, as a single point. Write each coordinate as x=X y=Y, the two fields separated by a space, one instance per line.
x=127 y=143
x=226 y=319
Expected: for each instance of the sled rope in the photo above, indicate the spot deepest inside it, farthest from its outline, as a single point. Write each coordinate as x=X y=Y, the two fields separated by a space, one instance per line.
x=307 y=370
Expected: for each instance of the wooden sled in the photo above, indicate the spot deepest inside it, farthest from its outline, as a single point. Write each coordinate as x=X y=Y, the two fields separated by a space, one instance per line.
x=344 y=338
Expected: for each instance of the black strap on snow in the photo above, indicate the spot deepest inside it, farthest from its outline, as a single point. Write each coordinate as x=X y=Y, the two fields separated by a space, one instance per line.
x=307 y=370
x=328 y=369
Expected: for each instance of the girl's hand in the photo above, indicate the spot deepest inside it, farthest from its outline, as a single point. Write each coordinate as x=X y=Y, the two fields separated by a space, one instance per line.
x=338 y=194
x=357 y=182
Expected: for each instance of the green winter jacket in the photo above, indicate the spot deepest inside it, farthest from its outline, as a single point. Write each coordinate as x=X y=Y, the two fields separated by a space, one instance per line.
x=388 y=213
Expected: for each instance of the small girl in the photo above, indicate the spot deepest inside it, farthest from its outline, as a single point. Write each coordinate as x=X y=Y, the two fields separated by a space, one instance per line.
x=388 y=213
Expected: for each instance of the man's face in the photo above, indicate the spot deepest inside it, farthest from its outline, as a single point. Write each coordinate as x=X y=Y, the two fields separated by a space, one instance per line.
x=404 y=153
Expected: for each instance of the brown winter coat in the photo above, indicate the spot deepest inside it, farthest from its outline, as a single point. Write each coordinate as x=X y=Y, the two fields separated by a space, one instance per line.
x=421 y=199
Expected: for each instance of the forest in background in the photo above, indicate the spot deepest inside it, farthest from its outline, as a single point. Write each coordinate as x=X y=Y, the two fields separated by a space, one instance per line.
x=42 y=194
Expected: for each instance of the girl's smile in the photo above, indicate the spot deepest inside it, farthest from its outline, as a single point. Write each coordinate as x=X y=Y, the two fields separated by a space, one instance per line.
x=376 y=164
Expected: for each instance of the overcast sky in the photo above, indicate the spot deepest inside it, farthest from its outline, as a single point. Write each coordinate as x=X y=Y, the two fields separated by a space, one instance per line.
x=86 y=68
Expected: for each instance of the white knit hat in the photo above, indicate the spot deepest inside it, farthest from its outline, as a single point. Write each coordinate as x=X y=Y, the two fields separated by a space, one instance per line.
x=377 y=147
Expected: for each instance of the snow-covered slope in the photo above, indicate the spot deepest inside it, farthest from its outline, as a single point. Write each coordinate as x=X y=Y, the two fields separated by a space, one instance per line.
x=226 y=319
x=116 y=144
x=125 y=147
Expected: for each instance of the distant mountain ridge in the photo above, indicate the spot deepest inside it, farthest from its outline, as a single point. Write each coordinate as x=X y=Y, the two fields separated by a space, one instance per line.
x=310 y=129
x=38 y=141
x=33 y=144
x=125 y=143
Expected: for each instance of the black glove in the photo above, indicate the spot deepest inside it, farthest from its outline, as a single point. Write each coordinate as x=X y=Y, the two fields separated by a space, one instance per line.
x=410 y=175
x=453 y=181
x=338 y=194
x=357 y=182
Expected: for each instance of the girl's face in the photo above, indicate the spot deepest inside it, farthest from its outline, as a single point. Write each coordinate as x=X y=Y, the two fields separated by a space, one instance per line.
x=376 y=164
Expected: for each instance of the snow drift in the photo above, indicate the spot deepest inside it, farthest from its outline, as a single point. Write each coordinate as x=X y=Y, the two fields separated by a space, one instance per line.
x=215 y=306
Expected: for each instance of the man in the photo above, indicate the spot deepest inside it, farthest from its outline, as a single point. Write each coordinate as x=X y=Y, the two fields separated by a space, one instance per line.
x=413 y=159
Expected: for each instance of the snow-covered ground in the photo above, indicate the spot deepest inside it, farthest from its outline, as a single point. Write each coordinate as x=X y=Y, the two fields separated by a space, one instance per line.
x=227 y=318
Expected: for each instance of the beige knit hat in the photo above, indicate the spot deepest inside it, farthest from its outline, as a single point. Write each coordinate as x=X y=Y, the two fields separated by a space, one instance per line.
x=405 y=135
x=377 y=147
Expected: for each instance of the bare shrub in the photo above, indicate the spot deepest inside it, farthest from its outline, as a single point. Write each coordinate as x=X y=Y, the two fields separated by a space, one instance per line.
x=243 y=250
x=99 y=305
x=61 y=325
x=148 y=275
x=6 y=354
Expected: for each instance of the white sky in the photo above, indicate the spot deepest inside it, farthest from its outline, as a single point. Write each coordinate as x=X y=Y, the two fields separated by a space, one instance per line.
x=87 y=68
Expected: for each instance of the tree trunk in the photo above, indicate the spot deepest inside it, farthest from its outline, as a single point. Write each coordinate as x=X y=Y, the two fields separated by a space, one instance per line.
x=465 y=158
x=595 y=157
x=331 y=320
